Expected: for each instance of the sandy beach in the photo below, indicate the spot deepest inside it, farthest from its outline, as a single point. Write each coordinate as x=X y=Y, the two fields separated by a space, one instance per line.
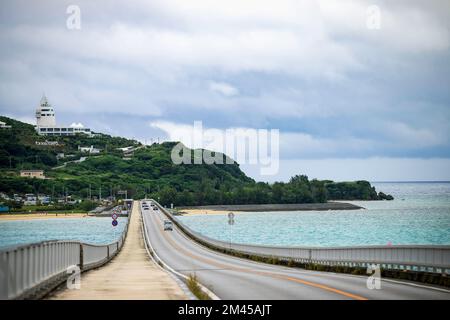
x=199 y=212
x=225 y=209
x=35 y=216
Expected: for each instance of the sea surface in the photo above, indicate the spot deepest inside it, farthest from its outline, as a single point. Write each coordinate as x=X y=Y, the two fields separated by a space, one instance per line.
x=89 y=230
x=420 y=214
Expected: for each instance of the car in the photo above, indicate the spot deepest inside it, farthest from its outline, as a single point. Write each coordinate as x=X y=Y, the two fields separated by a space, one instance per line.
x=167 y=225
x=145 y=208
x=155 y=208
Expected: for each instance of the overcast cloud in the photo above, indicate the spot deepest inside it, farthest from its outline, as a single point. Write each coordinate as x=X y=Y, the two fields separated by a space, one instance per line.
x=339 y=92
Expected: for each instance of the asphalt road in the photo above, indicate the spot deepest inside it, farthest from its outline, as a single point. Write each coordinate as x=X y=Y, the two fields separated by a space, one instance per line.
x=234 y=278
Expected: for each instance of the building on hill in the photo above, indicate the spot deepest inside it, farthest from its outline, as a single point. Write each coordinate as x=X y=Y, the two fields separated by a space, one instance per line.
x=32 y=174
x=3 y=125
x=30 y=200
x=46 y=122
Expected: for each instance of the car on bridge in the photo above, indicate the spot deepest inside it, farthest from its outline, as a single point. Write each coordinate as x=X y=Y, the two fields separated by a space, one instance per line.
x=168 y=225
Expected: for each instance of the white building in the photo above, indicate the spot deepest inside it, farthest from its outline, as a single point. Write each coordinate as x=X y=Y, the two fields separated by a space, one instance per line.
x=30 y=200
x=39 y=174
x=3 y=125
x=46 y=122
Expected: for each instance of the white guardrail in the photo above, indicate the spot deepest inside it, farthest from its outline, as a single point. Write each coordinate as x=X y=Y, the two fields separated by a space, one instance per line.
x=31 y=271
x=424 y=258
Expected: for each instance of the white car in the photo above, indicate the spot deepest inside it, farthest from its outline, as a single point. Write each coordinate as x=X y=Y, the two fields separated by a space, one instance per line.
x=168 y=225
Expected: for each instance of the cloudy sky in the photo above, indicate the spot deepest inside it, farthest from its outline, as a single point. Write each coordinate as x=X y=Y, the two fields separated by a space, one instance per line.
x=351 y=101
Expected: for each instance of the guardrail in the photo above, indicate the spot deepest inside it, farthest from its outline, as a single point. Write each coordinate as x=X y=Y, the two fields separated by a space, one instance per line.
x=422 y=258
x=31 y=271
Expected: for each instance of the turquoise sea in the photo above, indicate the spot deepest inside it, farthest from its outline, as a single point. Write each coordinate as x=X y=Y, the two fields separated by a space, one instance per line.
x=89 y=230
x=420 y=214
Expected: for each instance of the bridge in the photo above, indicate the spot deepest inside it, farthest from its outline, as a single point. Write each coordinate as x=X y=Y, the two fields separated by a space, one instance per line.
x=224 y=270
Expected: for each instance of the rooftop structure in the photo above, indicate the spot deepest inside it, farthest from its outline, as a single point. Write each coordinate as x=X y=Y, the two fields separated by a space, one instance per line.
x=32 y=174
x=46 y=122
x=3 y=125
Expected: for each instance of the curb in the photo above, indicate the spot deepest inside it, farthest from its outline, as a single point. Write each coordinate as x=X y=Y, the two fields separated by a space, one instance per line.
x=154 y=256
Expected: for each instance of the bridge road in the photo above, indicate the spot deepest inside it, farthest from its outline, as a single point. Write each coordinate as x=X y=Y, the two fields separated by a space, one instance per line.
x=234 y=278
x=130 y=275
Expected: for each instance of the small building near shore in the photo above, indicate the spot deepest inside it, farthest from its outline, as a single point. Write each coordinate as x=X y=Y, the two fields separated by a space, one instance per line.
x=30 y=200
x=39 y=174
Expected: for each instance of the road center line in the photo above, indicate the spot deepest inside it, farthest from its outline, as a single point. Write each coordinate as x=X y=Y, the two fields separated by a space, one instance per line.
x=263 y=273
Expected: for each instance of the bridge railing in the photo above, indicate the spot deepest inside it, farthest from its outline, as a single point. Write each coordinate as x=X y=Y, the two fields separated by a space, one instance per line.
x=31 y=271
x=427 y=258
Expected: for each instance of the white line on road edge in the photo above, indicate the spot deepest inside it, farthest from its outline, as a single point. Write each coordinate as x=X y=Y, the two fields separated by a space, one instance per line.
x=212 y=295
x=173 y=276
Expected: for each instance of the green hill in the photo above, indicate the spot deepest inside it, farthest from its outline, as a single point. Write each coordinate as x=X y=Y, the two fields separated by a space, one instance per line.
x=149 y=171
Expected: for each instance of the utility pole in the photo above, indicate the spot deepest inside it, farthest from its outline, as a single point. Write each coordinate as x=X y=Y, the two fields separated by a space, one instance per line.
x=100 y=193
x=90 y=195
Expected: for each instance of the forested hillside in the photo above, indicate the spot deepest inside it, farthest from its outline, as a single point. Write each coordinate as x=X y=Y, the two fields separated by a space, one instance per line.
x=148 y=172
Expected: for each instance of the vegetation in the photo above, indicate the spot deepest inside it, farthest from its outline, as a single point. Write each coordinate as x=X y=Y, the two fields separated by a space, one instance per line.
x=83 y=206
x=194 y=287
x=150 y=172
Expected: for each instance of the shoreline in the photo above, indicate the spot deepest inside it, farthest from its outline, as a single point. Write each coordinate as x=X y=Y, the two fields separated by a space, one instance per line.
x=225 y=209
x=41 y=216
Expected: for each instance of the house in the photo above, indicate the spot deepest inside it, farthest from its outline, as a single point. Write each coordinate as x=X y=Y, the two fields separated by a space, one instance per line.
x=3 y=125
x=4 y=196
x=30 y=200
x=39 y=174
x=44 y=199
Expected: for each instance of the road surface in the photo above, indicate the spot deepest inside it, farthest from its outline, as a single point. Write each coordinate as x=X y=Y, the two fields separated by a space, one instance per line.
x=234 y=278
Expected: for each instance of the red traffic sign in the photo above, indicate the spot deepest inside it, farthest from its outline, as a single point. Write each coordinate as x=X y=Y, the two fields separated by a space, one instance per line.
x=114 y=216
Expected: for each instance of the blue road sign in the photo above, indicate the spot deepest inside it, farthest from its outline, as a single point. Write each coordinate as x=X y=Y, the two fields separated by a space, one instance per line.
x=115 y=223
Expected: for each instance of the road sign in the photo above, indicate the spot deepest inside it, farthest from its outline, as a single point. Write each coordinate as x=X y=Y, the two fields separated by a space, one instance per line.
x=115 y=223
x=114 y=216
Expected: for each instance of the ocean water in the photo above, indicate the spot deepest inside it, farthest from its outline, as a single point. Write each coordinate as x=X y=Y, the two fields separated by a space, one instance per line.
x=420 y=214
x=89 y=230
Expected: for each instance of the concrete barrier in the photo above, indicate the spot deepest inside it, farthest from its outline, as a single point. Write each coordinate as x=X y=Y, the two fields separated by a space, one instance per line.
x=426 y=258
